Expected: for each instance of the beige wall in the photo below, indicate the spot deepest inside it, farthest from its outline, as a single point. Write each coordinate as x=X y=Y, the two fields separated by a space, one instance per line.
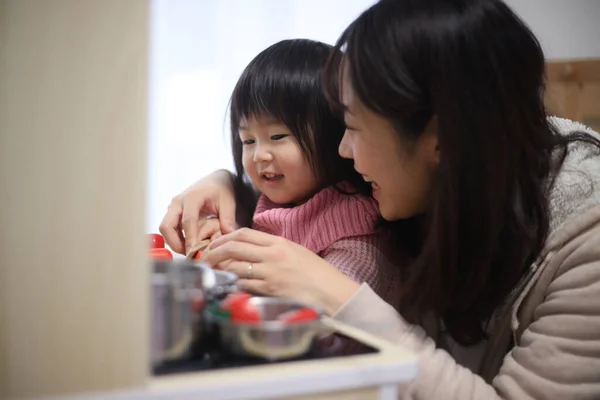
x=73 y=279
x=567 y=29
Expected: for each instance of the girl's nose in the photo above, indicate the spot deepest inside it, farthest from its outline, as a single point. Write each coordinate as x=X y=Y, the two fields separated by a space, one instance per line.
x=263 y=154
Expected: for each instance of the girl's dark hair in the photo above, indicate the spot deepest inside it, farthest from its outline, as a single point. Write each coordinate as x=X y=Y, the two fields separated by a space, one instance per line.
x=476 y=67
x=285 y=82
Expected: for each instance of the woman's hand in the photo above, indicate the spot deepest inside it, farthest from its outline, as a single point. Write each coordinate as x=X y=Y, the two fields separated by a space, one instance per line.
x=212 y=195
x=280 y=268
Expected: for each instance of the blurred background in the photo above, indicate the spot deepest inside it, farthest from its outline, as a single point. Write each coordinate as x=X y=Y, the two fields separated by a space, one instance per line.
x=200 y=47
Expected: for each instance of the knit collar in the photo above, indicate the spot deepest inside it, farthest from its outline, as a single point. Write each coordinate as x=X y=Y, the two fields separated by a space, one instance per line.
x=325 y=218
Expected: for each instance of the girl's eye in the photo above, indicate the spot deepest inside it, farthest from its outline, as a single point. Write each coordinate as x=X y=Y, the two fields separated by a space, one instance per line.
x=248 y=141
x=278 y=136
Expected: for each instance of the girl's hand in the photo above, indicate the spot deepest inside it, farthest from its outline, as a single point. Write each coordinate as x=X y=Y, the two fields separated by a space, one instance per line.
x=209 y=228
x=280 y=268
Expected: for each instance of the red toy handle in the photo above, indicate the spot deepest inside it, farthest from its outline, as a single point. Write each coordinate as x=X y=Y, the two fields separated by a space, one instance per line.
x=156 y=241
x=157 y=249
x=160 y=254
x=302 y=315
x=238 y=304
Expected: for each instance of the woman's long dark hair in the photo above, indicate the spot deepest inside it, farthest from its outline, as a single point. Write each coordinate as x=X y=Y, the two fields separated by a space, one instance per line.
x=476 y=67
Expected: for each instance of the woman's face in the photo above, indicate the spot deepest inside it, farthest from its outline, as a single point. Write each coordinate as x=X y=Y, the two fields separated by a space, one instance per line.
x=401 y=173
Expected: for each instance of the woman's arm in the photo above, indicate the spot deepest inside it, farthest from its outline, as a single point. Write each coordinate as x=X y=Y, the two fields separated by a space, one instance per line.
x=246 y=197
x=558 y=355
x=216 y=194
x=361 y=259
x=280 y=268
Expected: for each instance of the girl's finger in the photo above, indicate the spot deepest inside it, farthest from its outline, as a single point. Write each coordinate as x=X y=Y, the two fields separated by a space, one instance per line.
x=207 y=228
x=246 y=235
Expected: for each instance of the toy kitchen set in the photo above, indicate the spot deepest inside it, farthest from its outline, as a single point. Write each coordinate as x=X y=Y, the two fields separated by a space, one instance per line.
x=209 y=340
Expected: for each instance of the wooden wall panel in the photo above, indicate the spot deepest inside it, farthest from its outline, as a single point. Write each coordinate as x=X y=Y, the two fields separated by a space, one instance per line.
x=573 y=90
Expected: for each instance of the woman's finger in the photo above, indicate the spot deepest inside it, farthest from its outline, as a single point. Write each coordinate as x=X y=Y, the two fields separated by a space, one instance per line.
x=243 y=270
x=170 y=227
x=222 y=265
x=233 y=250
x=246 y=235
x=255 y=286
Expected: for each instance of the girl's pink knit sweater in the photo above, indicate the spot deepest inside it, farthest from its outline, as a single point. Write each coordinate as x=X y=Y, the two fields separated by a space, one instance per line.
x=341 y=229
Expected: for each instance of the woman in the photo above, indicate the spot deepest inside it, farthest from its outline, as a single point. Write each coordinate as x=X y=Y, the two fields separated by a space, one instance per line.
x=498 y=206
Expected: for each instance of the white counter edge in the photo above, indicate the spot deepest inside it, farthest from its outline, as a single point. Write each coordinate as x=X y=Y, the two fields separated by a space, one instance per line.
x=276 y=387
x=391 y=366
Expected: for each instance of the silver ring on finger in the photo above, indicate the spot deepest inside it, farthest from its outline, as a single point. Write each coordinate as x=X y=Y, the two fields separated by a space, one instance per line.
x=249 y=274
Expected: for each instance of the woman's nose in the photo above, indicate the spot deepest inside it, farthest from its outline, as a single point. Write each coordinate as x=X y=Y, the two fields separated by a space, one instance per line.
x=344 y=149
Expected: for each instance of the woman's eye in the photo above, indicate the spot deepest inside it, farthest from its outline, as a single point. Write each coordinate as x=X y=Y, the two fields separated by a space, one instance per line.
x=248 y=141
x=278 y=136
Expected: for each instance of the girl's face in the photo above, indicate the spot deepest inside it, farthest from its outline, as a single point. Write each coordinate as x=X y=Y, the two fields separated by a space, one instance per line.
x=275 y=162
x=401 y=174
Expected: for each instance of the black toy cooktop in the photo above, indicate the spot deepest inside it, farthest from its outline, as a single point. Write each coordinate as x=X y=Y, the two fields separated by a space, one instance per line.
x=210 y=356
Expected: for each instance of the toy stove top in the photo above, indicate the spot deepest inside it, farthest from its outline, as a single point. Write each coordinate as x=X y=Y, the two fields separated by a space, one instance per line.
x=211 y=356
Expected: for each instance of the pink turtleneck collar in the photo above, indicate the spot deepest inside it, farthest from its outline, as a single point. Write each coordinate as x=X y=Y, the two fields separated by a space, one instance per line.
x=324 y=219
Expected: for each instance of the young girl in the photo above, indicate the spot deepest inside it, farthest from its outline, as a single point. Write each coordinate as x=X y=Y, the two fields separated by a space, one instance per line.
x=284 y=139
